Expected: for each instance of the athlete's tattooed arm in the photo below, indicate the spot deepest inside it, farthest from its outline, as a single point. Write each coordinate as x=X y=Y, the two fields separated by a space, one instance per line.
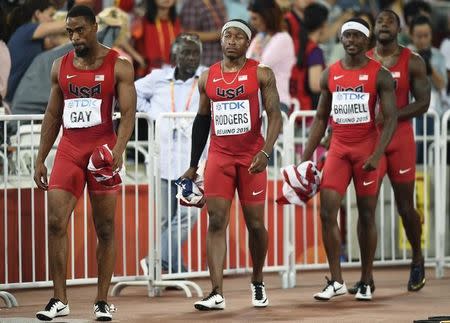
x=420 y=88
x=321 y=118
x=50 y=126
x=386 y=93
x=271 y=103
x=126 y=93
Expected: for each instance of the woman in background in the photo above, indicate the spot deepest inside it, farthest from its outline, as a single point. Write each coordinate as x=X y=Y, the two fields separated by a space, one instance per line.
x=272 y=46
x=155 y=35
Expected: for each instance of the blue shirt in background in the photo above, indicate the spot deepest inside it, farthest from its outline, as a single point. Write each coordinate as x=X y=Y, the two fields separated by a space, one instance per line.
x=23 y=49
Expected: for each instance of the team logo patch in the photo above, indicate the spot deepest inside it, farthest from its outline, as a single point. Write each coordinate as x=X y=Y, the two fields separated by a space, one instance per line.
x=99 y=78
x=396 y=75
x=363 y=77
x=242 y=78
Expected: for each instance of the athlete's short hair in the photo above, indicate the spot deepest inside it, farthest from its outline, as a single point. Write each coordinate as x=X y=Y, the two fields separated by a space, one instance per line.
x=392 y=12
x=82 y=11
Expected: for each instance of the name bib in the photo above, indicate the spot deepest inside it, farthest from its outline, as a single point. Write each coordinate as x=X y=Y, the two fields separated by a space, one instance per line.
x=82 y=112
x=231 y=117
x=350 y=107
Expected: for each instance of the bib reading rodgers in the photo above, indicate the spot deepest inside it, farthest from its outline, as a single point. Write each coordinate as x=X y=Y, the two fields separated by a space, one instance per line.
x=82 y=112
x=350 y=107
x=231 y=117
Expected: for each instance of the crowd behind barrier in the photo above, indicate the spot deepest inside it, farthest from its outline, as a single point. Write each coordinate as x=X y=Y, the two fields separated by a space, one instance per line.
x=294 y=231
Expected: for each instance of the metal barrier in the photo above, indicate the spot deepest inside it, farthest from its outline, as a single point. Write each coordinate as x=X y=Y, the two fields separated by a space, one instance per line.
x=308 y=253
x=172 y=146
x=23 y=216
x=295 y=231
x=444 y=225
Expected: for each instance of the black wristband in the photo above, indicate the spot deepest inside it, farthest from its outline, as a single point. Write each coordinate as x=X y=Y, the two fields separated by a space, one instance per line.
x=200 y=132
x=265 y=154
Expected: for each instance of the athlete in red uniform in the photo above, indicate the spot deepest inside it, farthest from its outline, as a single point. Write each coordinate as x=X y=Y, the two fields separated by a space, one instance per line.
x=85 y=83
x=350 y=90
x=238 y=155
x=409 y=73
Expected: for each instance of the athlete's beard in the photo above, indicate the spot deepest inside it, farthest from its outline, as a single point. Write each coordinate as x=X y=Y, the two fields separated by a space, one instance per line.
x=83 y=52
x=385 y=41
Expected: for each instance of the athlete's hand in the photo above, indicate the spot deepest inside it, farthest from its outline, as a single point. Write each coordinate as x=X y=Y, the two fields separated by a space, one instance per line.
x=259 y=163
x=191 y=173
x=40 y=176
x=371 y=163
x=117 y=160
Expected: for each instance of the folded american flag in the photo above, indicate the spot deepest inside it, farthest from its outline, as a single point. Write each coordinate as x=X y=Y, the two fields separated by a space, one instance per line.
x=100 y=165
x=300 y=183
x=191 y=193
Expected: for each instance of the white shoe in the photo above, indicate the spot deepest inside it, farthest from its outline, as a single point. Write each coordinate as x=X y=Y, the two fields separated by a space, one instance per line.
x=259 y=297
x=364 y=293
x=212 y=302
x=53 y=309
x=102 y=311
x=332 y=289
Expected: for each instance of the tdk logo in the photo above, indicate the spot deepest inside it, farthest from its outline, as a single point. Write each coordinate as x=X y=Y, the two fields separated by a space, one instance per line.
x=231 y=105
x=351 y=96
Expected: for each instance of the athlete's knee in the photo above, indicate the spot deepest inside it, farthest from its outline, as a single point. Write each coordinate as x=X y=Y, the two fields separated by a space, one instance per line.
x=217 y=222
x=367 y=218
x=406 y=209
x=56 y=226
x=256 y=224
x=328 y=216
x=105 y=230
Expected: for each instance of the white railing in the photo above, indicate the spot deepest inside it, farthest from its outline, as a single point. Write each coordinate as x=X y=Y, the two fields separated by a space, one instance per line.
x=295 y=238
x=443 y=235
x=23 y=216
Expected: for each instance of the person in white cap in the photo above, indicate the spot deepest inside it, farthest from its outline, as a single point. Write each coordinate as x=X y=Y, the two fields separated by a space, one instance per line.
x=350 y=90
x=238 y=154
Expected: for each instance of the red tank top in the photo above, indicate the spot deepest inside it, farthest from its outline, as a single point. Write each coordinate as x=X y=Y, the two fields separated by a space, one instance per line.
x=400 y=73
x=89 y=98
x=354 y=99
x=235 y=110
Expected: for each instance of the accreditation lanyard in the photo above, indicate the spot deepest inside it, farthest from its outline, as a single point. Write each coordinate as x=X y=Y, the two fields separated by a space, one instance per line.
x=172 y=95
x=161 y=38
x=188 y=102
x=214 y=13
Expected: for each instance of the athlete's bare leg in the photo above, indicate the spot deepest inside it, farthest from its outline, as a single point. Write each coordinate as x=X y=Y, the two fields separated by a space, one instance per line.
x=404 y=197
x=258 y=238
x=367 y=235
x=103 y=210
x=60 y=206
x=216 y=246
x=330 y=202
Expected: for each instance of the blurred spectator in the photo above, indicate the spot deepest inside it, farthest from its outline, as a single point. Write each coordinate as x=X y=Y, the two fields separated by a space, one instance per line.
x=411 y=10
x=173 y=90
x=271 y=46
x=294 y=20
x=338 y=51
x=156 y=32
x=237 y=9
x=31 y=24
x=421 y=36
x=310 y=58
x=445 y=50
x=115 y=17
x=5 y=59
x=205 y=18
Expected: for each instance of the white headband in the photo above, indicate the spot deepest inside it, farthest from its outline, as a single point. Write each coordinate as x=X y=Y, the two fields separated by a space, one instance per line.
x=238 y=24
x=353 y=25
